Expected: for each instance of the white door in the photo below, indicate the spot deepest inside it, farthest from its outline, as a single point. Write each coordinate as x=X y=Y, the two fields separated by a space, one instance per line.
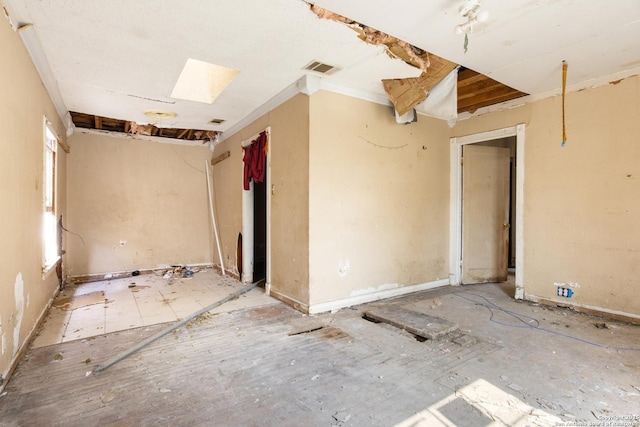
x=485 y=214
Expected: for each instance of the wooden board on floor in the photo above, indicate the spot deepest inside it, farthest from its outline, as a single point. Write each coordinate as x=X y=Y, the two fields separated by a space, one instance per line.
x=419 y=324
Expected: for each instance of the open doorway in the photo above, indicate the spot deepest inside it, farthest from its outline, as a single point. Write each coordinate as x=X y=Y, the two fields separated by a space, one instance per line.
x=260 y=230
x=487 y=184
x=255 y=246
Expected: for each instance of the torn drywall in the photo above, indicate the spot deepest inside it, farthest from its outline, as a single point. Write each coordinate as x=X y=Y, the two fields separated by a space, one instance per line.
x=404 y=93
x=17 y=321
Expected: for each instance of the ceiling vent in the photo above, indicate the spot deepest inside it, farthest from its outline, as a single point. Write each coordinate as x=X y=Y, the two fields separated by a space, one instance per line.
x=216 y=121
x=321 y=68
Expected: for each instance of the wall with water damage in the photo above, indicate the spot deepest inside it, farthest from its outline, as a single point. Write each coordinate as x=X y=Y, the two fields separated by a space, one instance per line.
x=288 y=156
x=25 y=292
x=379 y=202
x=136 y=205
x=581 y=200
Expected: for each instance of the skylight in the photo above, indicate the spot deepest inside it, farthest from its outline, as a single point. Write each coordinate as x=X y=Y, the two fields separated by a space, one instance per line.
x=202 y=82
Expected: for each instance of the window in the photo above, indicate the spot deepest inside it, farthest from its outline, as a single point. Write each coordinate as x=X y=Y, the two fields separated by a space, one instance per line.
x=50 y=229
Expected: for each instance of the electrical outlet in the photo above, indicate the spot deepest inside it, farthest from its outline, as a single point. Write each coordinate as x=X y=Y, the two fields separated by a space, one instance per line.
x=564 y=292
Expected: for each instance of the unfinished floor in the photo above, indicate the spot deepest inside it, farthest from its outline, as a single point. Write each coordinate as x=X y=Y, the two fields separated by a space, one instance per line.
x=508 y=363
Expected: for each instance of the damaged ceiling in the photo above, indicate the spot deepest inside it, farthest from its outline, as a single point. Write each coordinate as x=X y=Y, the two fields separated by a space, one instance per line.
x=115 y=60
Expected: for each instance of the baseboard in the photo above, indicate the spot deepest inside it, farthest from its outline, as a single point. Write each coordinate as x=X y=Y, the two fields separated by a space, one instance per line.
x=227 y=272
x=300 y=306
x=96 y=277
x=375 y=296
x=588 y=309
x=25 y=345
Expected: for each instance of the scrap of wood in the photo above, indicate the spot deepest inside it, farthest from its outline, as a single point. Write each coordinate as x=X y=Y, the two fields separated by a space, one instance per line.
x=64 y=146
x=417 y=323
x=220 y=158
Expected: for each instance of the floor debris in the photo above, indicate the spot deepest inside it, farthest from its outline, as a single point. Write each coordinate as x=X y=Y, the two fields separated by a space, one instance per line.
x=342 y=417
x=78 y=301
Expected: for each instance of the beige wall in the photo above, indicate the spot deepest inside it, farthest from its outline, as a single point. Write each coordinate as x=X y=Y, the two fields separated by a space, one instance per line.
x=581 y=202
x=289 y=224
x=379 y=200
x=136 y=204
x=24 y=293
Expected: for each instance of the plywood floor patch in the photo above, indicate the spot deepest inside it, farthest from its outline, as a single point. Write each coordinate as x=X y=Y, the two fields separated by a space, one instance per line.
x=419 y=324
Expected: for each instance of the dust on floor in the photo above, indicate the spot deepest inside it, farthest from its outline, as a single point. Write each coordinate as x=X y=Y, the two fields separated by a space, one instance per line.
x=508 y=363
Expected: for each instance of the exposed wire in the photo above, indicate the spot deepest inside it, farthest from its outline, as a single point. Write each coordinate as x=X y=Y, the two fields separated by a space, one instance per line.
x=382 y=146
x=532 y=322
x=187 y=163
x=75 y=234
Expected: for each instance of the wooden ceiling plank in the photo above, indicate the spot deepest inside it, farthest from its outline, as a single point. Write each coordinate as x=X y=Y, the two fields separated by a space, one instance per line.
x=485 y=103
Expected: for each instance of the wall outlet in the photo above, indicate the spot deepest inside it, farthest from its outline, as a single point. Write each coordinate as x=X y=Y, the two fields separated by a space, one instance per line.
x=564 y=292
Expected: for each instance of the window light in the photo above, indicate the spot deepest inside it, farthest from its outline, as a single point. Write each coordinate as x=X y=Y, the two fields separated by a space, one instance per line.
x=202 y=82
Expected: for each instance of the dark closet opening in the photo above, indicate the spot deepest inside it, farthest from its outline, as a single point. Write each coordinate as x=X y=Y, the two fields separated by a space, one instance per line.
x=260 y=229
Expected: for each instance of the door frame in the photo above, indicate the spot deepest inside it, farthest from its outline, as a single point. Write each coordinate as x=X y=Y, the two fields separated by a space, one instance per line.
x=247 y=219
x=455 y=229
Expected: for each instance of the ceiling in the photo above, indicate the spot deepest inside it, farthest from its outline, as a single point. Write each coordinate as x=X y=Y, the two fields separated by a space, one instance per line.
x=119 y=58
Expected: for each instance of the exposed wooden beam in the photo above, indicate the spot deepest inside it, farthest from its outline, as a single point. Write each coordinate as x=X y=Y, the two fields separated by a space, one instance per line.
x=182 y=133
x=97 y=120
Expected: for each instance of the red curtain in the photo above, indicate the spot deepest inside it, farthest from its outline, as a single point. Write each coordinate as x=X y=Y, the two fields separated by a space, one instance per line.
x=255 y=156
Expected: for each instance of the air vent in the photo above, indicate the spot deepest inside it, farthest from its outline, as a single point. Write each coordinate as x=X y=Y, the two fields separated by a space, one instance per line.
x=216 y=121
x=320 y=67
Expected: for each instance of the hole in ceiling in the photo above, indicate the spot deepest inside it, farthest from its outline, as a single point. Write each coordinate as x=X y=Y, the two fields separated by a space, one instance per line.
x=216 y=121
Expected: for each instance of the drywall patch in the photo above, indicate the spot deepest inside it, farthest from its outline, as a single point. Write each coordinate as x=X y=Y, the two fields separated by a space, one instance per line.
x=343 y=267
x=566 y=285
x=17 y=323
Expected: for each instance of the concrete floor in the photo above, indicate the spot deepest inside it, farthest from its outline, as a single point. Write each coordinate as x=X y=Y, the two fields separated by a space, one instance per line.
x=508 y=364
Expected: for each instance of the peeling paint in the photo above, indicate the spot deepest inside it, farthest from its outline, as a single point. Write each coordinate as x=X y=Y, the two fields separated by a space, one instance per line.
x=566 y=285
x=371 y=290
x=19 y=297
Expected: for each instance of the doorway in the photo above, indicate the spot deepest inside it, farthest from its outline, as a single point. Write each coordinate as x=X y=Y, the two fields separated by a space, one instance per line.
x=489 y=239
x=260 y=229
x=256 y=239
